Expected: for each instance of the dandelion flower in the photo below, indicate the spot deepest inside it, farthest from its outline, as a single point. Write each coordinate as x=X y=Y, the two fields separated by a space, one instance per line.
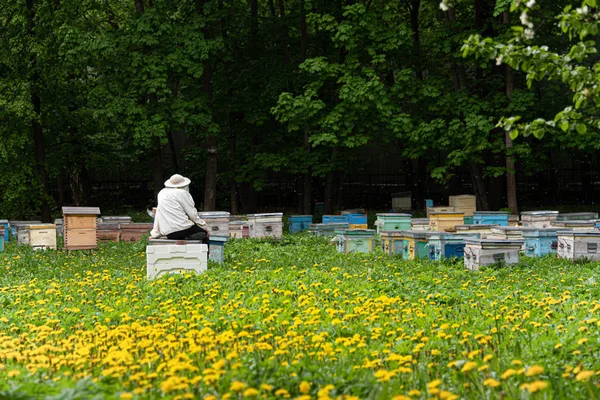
x=584 y=375
x=491 y=382
x=126 y=396
x=469 y=366
x=237 y=386
x=534 y=370
x=304 y=387
x=250 y=392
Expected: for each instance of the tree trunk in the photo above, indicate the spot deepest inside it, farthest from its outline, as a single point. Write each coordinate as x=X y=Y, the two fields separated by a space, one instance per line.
x=329 y=193
x=284 y=32
x=234 y=192
x=157 y=169
x=303 y=31
x=414 y=23
x=173 y=150
x=61 y=185
x=272 y=8
x=511 y=179
x=479 y=186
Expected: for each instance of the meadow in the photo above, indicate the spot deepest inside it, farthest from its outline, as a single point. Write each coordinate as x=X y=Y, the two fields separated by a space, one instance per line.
x=294 y=319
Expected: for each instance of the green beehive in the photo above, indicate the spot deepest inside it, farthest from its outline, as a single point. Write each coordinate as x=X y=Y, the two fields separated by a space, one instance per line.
x=392 y=222
x=327 y=230
x=355 y=241
x=392 y=243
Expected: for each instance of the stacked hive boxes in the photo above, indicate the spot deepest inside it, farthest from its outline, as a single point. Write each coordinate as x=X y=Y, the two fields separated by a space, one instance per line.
x=538 y=219
x=81 y=227
x=392 y=222
x=573 y=245
x=134 y=232
x=540 y=242
x=170 y=256
x=217 y=221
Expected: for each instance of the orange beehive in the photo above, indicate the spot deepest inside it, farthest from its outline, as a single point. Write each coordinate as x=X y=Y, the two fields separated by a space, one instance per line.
x=81 y=227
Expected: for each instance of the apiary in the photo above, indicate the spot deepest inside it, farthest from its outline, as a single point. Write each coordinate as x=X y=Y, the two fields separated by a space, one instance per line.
x=109 y=232
x=415 y=245
x=265 y=225
x=506 y=233
x=445 y=221
x=217 y=248
x=134 y=232
x=446 y=245
x=14 y=226
x=419 y=224
x=393 y=222
x=578 y=245
x=392 y=243
x=81 y=227
x=42 y=236
x=540 y=241
x=482 y=252
x=538 y=219
x=465 y=203
x=327 y=229
x=335 y=219
x=239 y=229
x=172 y=256
x=6 y=229
x=483 y=231
x=356 y=241
x=580 y=216
x=217 y=222
x=491 y=218
x=402 y=201
x=299 y=223
x=513 y=220
x=576 y=225
x=439 y=209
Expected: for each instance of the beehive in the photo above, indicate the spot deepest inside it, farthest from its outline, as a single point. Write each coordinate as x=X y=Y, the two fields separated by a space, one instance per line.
x=135 y=231
x=483 y=231
x=217 y=221
x=356 y=241
x=22 y=234
x=327 y=229
x=446 y=245
x=109 y=232
x=265 y=225
x=402 y=201
x=577 y=245
x=115 y=219
x=419 y=224
x=356 y=219
x=299 y=223
x=167 y=257
x=540 y=242
x=580 y=216
x=445 y=221
x=359 y=226
x=392 y=243
x=414 y=245
x=238 y=229
x=15 y=225
x=538 y=219
x=217 y=248
x=5 y=229
x=81 y=227
x=393 y=222
x=440 y=209
x=482 y=252
x=513 y=220
x=506 y=233
x=60 y=228
x=576 y=225
x=42 y=237
x=2 y=230
x=491 y=218
x=466 y=203
x=335 y=219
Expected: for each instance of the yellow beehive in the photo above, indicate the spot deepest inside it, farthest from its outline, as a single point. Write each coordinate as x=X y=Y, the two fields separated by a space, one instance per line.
x=439 y=209
x=445 y=221
x=358 y=226
x=466 y=203
x=81 y=227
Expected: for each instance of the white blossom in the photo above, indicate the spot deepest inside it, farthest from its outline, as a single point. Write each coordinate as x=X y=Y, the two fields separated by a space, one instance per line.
x=525 y=20
x=530 y=3
x=584 y=10
x=528 y=34
x=444 y=6
x=499 y=60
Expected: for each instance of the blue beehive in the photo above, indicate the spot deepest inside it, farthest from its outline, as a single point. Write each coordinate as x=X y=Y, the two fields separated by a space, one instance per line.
x=540 y=242
x=4 y=223
x=491 y=217
x=446 y=245
x=217 y=248
x=335 y=219
x=299 y=223
x=356 y=219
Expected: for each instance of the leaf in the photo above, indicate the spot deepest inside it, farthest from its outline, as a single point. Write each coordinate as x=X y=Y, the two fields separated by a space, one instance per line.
x=581 y=128
x=514 y=134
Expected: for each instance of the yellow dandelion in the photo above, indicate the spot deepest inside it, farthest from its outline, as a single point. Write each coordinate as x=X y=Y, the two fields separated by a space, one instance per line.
x=508 y=373
x=282 y=392
x=534 y=386
x=491 y=382
x=250 y=392
x=237 y=386
x=13 y=373
x=469 y=366
x=266 y=386
x=534 y=370
x=305 y=387
x=414 y=393
x=126 y=396
x=584 y=375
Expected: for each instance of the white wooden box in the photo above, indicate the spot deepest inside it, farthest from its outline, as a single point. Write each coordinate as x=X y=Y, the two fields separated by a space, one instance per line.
x=576 y=245
x=171 y=258
x=265 y=225
x=419 y=224
x=22 y=235
x=238 y=229
x=217 y=221
x=482 y=252
x=575 y=225
x=484 y=230
x=538 y=219
x=42 y=236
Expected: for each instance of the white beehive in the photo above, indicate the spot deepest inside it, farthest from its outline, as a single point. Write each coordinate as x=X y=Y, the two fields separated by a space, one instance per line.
x=576 y=245
x=419 y=224
x=482 y=252
x=484 y=230
x=168 y=258
x=265 y=225
x=506 y=233
x=217 y=221
x=538 y=219
x=22 y=235
x=42 y=236
x=238 y=229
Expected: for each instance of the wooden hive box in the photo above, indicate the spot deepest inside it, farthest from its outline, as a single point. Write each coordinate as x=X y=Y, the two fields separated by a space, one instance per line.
x=419 y=224
x=16 y=225
x=299 y=223
x=415 y=245
x=580 y=216
x=217 y=221
x=327 y=230
x=443 y=245
x=576 y=225
x=42 y=236
x=538 y=219
x=466 y=203
x=491 y=218
x=265 y=225
x=445 y=221
x=238 y=229
x=5 y=229
x=109 y=232
x=430 y=210
x=540 y=242
x=483 y=231
x=482 y=252
x=578 y=245
x=392 y=243
x=356 y=241
x=217 y=248
x=80 y=227
x=392 y=222
x=135 y=231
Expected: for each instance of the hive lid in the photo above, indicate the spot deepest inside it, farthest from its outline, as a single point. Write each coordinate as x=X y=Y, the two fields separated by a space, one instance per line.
x=429 y=234
x=418 y=221
x=508 y=228
x=500 y=242
x=108 y=226
x=113 y=218
x=300 y=216
x=42 y=226
x=81 y=211
x=543 y=212
x=213 y=214
x=571 y=232
x=360 y=232
x=445 y=212
x=241 y=223
x=399 y=215
x=490 y=213
x=220 y=239
x=173 y=242
x=476 y=226
x=138 y=225
x=266 y=215
x=3 y=221
x=415 y=234
x=574 y=223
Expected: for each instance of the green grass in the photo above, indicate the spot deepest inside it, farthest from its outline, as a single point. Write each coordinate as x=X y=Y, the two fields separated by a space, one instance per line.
x=85 y=324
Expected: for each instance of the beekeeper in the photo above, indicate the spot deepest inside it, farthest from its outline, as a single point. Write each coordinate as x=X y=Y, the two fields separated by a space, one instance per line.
x=176 y=215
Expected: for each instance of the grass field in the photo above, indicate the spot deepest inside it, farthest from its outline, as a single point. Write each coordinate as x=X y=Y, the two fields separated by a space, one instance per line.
x=294 y=319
